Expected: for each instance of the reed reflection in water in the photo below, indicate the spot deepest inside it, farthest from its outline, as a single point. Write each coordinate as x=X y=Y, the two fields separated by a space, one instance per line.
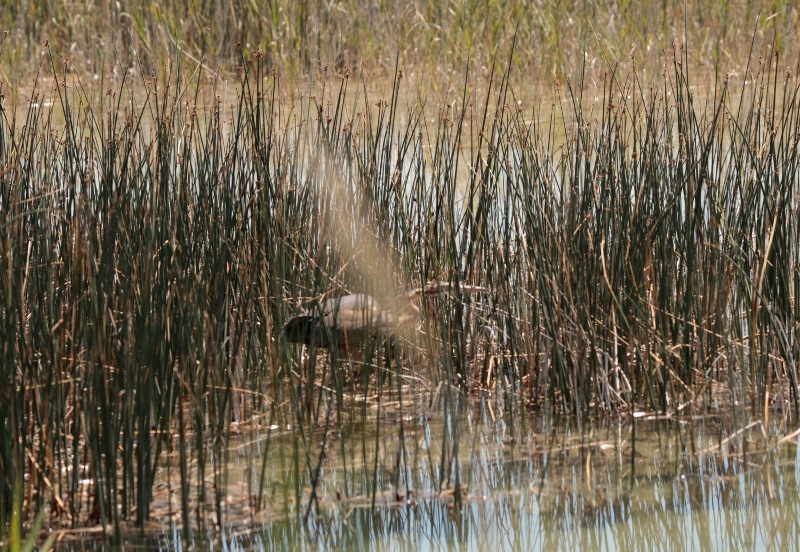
x=626 y=487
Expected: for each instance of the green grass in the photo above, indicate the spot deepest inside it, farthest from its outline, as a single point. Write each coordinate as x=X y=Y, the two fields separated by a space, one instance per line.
x=639 y=251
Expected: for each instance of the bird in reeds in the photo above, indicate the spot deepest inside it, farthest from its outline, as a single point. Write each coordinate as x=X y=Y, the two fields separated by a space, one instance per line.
x=349 y=321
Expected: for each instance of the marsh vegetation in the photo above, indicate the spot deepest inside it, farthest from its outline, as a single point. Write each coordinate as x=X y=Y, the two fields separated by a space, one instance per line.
x=636 y=244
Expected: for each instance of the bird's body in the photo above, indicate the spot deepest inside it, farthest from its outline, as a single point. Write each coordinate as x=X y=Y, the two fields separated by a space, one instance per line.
x=350 y=320
x=341 y=321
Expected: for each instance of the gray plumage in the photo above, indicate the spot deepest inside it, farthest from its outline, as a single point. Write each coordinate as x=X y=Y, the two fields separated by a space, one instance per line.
x=350 y=320
x=347 y=320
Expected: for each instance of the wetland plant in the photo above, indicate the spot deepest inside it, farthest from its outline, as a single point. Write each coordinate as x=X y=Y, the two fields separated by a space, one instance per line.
x=637 y=251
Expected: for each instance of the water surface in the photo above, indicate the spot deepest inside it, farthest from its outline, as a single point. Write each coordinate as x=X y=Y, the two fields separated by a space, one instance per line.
x=471 y=477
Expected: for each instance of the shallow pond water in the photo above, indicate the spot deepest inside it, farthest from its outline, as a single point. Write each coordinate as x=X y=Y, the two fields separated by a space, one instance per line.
x=469 y=479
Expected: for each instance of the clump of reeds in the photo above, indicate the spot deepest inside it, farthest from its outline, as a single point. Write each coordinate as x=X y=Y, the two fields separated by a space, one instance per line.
x=154 y=240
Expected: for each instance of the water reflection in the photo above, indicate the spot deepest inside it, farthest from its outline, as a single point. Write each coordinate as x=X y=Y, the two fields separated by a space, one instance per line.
x=635 y=485
x=625 y=487
x=738 y=510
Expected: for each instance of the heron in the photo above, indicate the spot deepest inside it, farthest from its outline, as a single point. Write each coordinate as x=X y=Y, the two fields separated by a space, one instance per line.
x=348 y=321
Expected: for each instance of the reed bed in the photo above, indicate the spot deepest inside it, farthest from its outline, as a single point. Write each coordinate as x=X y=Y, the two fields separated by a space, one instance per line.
x=639 y=252
x=434 y=39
